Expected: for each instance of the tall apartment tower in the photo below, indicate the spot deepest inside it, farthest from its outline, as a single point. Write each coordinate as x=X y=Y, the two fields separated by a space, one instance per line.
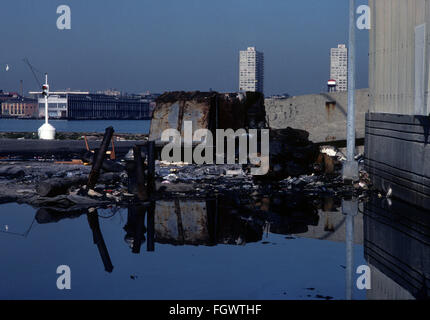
x=251 y=70
x=339 y=67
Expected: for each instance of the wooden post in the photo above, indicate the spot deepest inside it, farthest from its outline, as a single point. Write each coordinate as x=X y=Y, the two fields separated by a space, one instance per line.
x=86 y=143
x=113 y=155
x=140 y=174
x=150 y=228
x=151 y=167
x=99 y=157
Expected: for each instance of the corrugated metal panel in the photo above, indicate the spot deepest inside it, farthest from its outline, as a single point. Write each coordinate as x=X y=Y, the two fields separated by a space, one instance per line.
x=392 y=70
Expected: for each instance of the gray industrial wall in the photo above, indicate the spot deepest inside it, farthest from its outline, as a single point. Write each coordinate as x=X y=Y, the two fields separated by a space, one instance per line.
x=399 y=55
x=322 y=115
x=398 y=155
x=397 y=128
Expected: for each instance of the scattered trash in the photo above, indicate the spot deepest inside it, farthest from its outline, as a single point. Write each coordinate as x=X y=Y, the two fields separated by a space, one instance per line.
x=389 y=193
x=329 y=150
x=92 y=193
x=171 y=177
x=234 y=172
x=297 y=168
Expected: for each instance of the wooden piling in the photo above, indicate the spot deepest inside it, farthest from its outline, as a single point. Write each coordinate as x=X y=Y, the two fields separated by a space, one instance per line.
x=99 y=157
x=150 y=228
x=151 y=167
x=140 y=174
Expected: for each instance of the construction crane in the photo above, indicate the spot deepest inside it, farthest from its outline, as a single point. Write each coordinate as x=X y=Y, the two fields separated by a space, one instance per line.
x=33 y=71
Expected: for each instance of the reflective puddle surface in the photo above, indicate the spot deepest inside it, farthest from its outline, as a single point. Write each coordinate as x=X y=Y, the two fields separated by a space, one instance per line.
x=216 y=249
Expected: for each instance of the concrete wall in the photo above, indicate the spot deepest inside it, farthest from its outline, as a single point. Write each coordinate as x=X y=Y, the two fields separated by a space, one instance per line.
x=398 y=72
x=322 y=115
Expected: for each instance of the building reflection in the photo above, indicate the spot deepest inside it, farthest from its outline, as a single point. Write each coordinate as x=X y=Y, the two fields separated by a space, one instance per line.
x=397 y=249
x=395 y=236
x=206 y=222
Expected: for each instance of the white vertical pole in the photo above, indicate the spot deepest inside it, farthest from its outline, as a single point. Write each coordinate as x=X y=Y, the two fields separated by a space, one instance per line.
x=351 y=84
x=46 y=100
x=349 y=254
x=350 y=167
x=350 y=210
x=46 y=109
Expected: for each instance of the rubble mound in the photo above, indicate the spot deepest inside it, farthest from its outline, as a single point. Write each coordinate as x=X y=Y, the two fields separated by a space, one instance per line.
x=291 y=153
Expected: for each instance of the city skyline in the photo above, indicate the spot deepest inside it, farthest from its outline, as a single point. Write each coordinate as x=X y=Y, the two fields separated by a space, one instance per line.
x=153 y=49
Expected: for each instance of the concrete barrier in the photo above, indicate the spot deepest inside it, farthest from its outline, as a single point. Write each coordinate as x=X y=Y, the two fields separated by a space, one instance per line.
x=322 y=115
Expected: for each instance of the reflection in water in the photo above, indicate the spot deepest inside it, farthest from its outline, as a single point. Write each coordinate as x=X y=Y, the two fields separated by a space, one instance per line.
x=397 y=248
x=93 y=221
x=350 y=210
x=50 y=215
x=135 y=228
x=396 y=237
x=225 y=220
x=197 y=222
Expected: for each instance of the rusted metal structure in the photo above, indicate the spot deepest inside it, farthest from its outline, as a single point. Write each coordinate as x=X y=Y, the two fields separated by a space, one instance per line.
x=207 y=110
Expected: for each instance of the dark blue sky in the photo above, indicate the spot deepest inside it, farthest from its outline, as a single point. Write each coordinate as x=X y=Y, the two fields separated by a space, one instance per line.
x=160 y=45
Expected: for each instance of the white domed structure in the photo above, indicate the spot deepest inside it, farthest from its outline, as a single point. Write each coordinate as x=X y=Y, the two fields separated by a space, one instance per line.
x=46 y=132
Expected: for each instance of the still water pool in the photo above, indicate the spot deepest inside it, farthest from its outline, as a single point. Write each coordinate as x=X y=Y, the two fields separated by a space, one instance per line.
x=194 y=253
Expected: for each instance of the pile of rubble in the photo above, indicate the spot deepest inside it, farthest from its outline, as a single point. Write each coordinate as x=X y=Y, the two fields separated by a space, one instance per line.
x=47 y=183
x=297 y=167
x=291 y=153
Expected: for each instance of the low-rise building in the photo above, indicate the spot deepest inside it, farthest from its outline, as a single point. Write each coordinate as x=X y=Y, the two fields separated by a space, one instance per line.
x=100 y=106
x=19 y=107
x=91 y=106
x=57 y=107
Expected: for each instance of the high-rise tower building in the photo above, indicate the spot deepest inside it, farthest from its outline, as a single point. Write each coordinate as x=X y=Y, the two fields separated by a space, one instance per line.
x=339 y=67
x=251 y=70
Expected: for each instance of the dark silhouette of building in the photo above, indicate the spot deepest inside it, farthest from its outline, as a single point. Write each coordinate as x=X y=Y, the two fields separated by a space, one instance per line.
x=101 y=106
